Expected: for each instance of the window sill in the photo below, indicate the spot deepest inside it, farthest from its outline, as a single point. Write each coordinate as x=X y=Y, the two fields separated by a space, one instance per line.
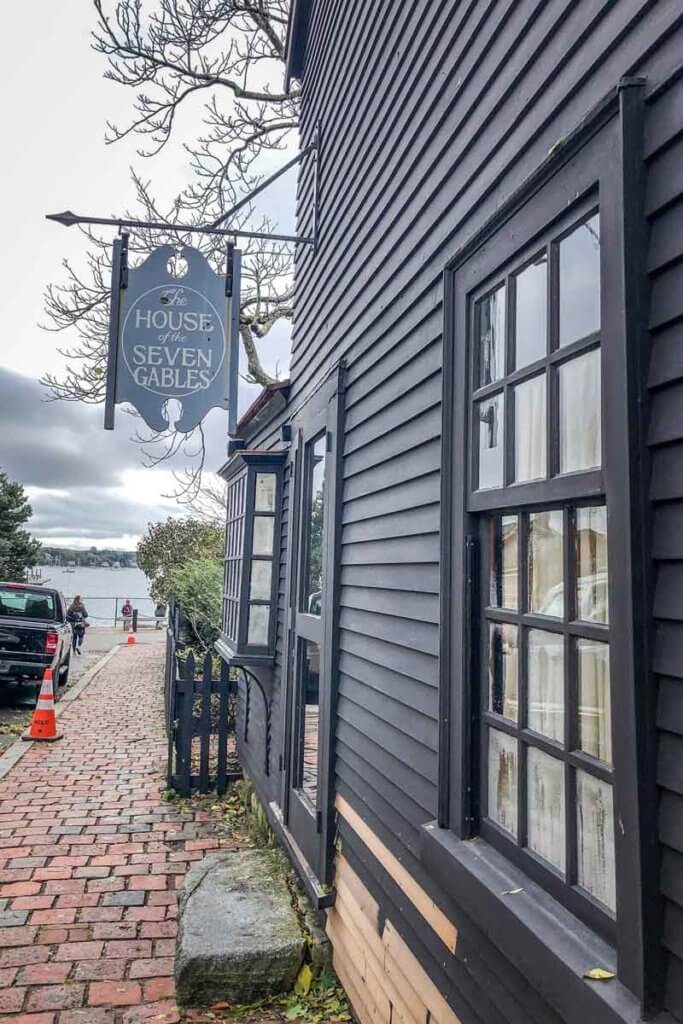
x=237 y=658
x=545 y=942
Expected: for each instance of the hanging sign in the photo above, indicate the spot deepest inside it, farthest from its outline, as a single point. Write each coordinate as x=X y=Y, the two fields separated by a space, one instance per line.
x=173 y=335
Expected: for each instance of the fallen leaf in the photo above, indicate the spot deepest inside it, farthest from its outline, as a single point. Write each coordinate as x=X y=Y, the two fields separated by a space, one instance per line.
x=598 y=974
x=304 y=981
x=220 y=1006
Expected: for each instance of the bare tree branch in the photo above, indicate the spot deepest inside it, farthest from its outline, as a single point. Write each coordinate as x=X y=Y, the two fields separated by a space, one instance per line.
x=170 y=53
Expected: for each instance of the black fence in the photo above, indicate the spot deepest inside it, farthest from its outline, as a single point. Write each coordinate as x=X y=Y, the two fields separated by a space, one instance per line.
x=201 y=712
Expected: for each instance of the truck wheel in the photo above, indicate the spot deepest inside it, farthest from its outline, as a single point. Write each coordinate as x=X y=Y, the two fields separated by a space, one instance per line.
x=63 y=677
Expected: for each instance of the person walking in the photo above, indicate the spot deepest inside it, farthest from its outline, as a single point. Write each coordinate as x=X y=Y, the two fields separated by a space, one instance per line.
x=127 y=614
x=77 y=615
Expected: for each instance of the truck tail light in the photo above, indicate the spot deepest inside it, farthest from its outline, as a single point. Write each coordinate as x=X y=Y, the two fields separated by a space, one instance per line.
x=51 y=642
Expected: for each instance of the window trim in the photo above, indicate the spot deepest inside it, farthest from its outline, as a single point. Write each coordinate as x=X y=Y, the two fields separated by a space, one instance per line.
x=603 y=155
x=248 y=464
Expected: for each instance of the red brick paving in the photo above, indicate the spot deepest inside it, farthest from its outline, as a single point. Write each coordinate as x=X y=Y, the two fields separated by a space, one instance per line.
x=91 y=860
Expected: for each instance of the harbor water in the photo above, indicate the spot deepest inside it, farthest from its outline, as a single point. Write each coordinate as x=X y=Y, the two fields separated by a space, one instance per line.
x=102 y=590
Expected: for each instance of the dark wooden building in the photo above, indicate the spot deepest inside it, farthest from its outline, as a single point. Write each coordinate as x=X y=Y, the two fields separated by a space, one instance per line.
x=454 y=566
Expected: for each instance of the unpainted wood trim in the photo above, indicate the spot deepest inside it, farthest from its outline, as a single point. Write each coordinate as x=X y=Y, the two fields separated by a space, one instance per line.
x=382 y=959
x=423 y=903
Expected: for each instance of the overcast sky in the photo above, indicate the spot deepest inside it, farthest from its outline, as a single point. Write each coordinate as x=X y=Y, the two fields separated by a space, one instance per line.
x=86 y=486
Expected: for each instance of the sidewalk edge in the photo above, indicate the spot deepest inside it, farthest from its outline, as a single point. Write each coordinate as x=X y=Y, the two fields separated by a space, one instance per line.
x=15 y=753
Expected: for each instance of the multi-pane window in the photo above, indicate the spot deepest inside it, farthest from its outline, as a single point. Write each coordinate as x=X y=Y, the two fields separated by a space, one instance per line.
x=536 y=443
x=536 y=397
x=251 y=552
x=547 y=694
x=234 y=552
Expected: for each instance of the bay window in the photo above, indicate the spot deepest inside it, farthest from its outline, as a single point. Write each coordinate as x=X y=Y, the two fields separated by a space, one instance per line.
x=252 y=553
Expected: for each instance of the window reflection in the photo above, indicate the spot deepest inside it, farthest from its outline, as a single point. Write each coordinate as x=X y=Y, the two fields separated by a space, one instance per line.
x=264 y=496
x=504 y=567
x=595 y=838
x=490 y=415
x=545 y=563
x=490 y=313
x=503 y=662
x=502 y=775
x=545 y=807
x=595 y=725
x=545 y=654
x=259 y=620
x=530 y=432
x=580 y=413
x=314 y=527
x=531 y=313
x=580 y=282
x=590 y=542
x=309 y=700
x=261 y=577
x=264 y=527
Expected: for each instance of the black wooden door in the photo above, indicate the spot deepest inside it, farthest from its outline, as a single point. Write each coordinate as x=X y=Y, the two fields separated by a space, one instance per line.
x=311 y=644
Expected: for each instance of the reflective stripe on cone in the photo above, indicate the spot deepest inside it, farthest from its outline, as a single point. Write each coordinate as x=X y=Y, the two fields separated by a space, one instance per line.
x=44 y=722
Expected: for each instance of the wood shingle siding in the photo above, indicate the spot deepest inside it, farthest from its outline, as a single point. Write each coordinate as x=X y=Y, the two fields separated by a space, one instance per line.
x=664 y=145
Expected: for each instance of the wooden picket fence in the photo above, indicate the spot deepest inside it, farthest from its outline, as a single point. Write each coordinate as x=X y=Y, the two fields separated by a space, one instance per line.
x=201 y=712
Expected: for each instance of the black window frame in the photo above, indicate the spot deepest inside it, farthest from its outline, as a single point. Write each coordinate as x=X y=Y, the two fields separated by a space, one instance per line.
x=241 y=472
x=601 y=163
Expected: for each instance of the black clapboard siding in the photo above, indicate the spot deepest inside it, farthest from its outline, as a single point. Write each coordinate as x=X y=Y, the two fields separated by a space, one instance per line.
x=410 y=464
x=667 y=538
x=670 y=705
x=416 y=725
x=413 y=664
x=665 y=420
x=377 y=369
x=422 y=549
x=668 y=592
x=408 y=494
x=410 y=523
x=672 y=876
x=664 y=200
x=623 y=51
x=420 y=607
x=353 y=767
x=673 y=929
x=667 y=472
x=402 y=380
x=666 y=364
x=432 y=114
x=383 y=437
x=671 y=820
x=384 y=734
x=670 y=762
x=415 y=635
x=420 y=791
x=421 y=698
x=665 y=235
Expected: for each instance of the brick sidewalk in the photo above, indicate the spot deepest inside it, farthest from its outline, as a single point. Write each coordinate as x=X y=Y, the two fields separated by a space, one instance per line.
x=90 y=860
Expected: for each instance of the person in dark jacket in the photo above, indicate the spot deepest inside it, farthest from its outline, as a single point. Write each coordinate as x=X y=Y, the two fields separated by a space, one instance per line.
x=77 y=615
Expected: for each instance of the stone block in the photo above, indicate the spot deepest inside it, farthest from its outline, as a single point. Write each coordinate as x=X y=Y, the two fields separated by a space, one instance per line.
x=239 y=938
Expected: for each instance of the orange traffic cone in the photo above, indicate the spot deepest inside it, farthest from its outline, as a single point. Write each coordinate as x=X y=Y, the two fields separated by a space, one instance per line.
x=132 y=639
x=44 y=724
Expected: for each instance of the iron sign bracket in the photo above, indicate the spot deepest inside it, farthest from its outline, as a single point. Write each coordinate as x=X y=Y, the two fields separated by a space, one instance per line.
x=67 y=218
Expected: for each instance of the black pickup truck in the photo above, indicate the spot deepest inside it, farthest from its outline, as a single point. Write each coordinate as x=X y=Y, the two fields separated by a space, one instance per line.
x=34 y=634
